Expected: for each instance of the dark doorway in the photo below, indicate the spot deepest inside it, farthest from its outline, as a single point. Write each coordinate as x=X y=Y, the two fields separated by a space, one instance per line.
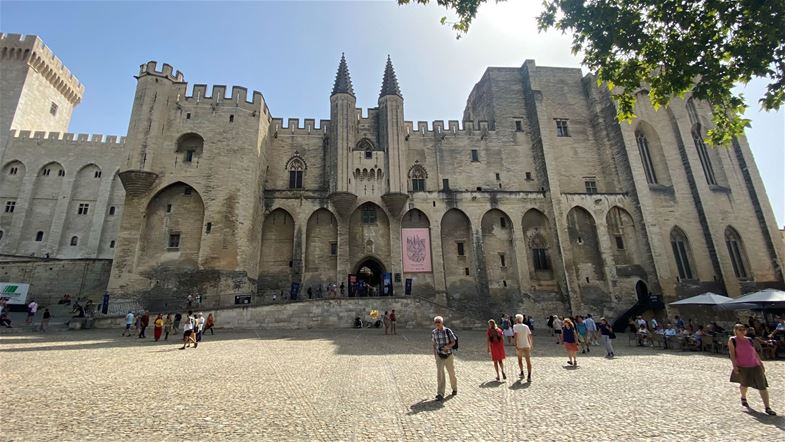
x=643 y=293
x=369 y=277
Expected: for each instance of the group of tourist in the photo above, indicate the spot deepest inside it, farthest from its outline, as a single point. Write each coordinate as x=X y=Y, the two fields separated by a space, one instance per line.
x=580 y=333
x=194 y=326
x=748 y=369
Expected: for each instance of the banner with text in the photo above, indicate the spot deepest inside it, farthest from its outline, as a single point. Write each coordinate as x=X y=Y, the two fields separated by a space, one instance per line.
x=416 y=244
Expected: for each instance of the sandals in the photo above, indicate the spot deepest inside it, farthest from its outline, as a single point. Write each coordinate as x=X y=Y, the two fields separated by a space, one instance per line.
x=744 y=402
x=770 y=412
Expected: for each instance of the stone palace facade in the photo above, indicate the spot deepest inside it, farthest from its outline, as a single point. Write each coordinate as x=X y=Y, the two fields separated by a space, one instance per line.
x=538 y=200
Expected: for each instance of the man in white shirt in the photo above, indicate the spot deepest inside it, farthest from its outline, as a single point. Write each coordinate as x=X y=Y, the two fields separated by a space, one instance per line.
x=640 y=322
x=31 y=309
x=129 y=321
x=557 y=323
x=523 y=345
x=188 y=332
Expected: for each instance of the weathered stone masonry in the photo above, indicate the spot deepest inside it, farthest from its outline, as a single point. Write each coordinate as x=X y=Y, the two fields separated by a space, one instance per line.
x=539 y=200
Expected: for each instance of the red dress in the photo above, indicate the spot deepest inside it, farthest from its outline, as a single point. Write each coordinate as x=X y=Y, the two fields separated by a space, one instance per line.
x=496 y=337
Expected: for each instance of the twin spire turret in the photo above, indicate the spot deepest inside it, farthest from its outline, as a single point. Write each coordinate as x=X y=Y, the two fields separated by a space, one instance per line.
x=343 y=81
x=390 y=82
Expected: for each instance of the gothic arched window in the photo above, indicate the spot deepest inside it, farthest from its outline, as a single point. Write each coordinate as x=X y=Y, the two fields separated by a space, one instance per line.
x=417 y=174
x=296 y=169
x=703 y=154
x=648 y=166
x=681 y=253
x=738 y=256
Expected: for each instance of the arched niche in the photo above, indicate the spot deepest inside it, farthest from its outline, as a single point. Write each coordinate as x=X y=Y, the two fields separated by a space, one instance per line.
x=458 y=254
x=172 y=233
x=190 y=146
x=47 y=188
x=585 y=246
x=11 y=178
x=277 y=254
x=537 y=236
x=497 y=239
x=321 y=247
x=622 y=236
x=369 y=233
x=87 y=183
x=415 y=218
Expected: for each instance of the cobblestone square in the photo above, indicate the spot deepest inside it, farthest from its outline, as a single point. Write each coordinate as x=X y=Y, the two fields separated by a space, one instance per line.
x=362 y=385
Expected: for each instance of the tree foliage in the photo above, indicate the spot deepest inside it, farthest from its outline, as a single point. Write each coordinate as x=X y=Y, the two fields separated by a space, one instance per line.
x=670 y=48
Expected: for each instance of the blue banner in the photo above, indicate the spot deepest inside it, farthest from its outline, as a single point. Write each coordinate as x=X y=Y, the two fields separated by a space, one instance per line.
x=387 y=283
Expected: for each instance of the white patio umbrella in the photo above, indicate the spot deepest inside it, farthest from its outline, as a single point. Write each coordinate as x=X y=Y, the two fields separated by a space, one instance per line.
x=707 y=298
x=763 y=298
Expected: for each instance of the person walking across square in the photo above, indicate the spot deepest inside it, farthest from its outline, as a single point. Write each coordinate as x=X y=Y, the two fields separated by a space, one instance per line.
x=524 y=344
x=443 y=340
x=495 y=338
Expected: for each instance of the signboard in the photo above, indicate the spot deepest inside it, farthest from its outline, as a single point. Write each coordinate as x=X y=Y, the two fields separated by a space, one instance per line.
x=242 y=299
x=295 y=290
x=416 y=256
x=13 y=293
x=105 y=303
x=408 y=287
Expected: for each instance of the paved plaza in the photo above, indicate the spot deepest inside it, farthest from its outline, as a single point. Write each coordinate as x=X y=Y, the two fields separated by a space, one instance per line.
x=361 y=385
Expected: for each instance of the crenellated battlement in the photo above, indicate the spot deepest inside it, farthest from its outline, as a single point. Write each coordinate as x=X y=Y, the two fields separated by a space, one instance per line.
x=309 y=126
x=31 y=49
x=238 y=97
x=70 y=138
x=453 y=128
x=167 y=71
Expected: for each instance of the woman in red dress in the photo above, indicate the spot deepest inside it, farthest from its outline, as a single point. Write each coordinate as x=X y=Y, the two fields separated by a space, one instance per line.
x=495 y=338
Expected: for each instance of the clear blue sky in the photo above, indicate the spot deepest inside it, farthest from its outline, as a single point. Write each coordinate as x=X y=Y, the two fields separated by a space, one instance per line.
x=289 y=51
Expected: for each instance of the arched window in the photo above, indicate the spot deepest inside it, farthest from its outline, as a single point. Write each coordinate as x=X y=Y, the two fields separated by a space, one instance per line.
x=681 y=253
x=296 y=169
x=737 y=254
x=74 y=240
x=39 y=236
x=703 y=154
x=418 y=175
x=645 y=151
x=191 y=146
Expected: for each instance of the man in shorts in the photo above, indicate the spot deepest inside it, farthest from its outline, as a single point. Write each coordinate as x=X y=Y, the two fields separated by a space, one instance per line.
x=188 y=332
x=557 y=323
x=129 y=322
x=524 y=343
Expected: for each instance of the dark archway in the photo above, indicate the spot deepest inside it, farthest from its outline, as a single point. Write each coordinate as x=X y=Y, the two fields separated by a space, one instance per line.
x=643 y=293
x=369 y=273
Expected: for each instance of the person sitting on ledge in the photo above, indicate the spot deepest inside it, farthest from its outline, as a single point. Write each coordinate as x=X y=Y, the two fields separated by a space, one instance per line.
x=66 y=300
x=4 y=321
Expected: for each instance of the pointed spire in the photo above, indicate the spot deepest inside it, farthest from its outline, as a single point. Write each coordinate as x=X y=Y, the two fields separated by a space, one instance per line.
x=343 y=81
x=390 y=82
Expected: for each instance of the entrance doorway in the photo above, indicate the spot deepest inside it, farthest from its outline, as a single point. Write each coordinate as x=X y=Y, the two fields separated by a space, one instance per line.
x=643 y=293
x=369 y=277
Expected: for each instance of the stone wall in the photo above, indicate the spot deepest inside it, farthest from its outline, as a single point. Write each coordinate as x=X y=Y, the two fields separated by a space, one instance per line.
x=50 y=279
x=332 y=313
